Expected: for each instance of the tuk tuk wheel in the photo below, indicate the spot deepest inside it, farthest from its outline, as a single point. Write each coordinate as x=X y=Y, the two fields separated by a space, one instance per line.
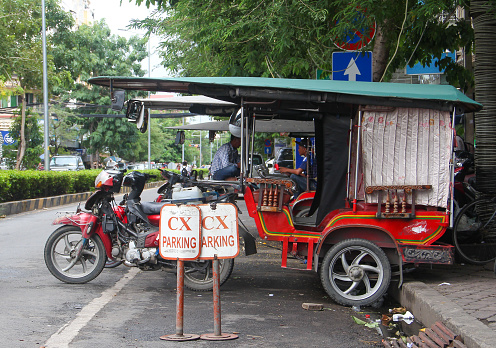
x=355 y=272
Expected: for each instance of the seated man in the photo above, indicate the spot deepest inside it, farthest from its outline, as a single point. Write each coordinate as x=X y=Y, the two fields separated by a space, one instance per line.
x=226 y=162
x=299 y=175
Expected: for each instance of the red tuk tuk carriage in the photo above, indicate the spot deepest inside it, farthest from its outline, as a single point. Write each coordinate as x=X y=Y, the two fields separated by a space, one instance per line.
x=385 y=171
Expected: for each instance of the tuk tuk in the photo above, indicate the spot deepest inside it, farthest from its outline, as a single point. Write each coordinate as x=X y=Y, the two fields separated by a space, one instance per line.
x=384 y=155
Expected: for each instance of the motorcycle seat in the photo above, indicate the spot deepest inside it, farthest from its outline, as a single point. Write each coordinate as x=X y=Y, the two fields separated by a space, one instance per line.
x=152 y=208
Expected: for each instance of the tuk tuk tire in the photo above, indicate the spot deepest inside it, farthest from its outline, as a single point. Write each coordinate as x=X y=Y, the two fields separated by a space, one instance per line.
x=362 y=259
x=198 y=277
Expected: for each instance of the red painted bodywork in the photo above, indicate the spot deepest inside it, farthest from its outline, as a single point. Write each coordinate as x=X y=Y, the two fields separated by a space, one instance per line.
x=425 y=228
x=154 y=219
x=83 y=220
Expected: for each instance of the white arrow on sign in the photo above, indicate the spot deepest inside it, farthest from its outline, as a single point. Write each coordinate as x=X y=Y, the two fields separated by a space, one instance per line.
x=352 y=70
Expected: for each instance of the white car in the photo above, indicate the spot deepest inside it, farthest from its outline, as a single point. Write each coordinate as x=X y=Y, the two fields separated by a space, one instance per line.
x=270 y=165
x=3 y=164
x=64 y=163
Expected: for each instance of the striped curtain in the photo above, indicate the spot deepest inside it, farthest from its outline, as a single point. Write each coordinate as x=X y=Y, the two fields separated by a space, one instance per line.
x=408 y=146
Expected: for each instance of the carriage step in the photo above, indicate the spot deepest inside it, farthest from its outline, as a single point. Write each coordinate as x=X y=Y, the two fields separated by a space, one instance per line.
x=306 y=262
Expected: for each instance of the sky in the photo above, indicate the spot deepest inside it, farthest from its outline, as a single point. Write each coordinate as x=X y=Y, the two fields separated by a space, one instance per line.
x=117 y=17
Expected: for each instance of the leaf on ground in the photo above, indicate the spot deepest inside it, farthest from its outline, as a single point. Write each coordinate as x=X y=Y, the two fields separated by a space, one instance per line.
x=358 y=321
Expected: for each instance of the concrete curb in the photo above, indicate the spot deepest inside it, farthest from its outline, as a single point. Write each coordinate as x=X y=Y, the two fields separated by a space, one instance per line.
x=16 y=207
x=429 y=306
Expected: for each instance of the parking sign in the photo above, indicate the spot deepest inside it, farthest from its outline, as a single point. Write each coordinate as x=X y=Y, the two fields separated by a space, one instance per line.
x=180 y=236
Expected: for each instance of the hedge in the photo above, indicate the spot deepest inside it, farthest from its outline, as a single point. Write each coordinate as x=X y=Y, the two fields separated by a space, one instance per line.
x=18 y=185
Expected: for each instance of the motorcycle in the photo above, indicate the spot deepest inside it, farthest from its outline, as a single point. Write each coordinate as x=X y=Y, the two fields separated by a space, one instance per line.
x=464 y=179
x=108 y=233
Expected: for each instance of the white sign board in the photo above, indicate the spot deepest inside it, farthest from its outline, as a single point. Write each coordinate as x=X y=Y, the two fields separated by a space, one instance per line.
x=180 y=228
x=219 y=231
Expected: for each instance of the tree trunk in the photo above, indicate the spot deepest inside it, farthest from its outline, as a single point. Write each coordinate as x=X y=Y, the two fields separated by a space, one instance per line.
x=484 y=22
x=22 y=137
x=380 y=55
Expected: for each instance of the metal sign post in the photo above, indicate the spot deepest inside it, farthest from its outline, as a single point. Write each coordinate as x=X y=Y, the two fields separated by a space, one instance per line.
x=220 y=239
x=179 y=335
x=217 y=335
x=180 y=240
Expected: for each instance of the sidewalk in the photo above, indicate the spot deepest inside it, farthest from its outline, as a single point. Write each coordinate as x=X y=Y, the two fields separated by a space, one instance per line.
x=462 y=297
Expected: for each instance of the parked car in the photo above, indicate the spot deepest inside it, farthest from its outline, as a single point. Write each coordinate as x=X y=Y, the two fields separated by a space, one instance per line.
x=257 y=159
x=137 y=166
x=3 y=164
x=63 y=163
x=284 y=158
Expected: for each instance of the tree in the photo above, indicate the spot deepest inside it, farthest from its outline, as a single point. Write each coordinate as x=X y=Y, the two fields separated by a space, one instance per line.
x=93 y=51
x=484 y=18
x=62 y=128
x=21 y=58
x=294 y=39
x=34 y=141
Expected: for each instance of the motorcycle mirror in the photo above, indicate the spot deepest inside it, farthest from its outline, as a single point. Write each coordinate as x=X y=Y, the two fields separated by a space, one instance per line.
x=117 y=98
x=142 y=121
x=179 y=138
x=134 y=109
x=211 y=135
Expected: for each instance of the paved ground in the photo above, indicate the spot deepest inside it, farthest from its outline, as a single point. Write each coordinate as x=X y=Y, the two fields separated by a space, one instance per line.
x=473 y=288
x=463 y=297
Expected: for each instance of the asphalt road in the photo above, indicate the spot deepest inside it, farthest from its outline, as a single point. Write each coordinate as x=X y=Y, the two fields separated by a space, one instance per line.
x=125 y=307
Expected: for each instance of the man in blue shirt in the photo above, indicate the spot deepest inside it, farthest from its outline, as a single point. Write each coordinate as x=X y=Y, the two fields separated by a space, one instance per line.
x=299 y=175
x=226 y=162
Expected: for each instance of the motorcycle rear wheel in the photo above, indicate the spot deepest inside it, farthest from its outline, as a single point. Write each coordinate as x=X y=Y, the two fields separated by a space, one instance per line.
x=60 y=250
x=198 y=275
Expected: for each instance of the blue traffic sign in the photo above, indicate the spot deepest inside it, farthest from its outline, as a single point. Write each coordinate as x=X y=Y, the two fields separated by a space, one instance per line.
x=430 y=69
x=6 y=138
x=352 y=66
x=268 y=150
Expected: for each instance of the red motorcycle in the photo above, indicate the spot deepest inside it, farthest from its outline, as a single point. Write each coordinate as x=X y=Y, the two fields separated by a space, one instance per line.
x=127 y=232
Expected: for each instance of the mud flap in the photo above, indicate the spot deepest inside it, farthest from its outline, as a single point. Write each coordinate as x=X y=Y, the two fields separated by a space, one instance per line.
x=250 y=245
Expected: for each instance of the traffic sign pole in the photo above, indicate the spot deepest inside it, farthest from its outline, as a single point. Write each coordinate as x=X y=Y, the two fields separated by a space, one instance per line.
x=179 y=335
x=217 y=335
x=192 y=232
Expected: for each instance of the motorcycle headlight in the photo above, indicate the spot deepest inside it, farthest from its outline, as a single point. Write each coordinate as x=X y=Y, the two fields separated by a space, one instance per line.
x=104 y=178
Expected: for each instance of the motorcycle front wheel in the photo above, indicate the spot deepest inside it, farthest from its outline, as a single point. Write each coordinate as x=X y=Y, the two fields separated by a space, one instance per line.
x=61 y=255
x=198 y=275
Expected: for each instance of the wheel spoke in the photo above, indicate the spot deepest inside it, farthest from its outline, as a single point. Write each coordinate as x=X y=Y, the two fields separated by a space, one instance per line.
x=83 y=264
x=71 y=264
x=341 y=277
x=366 y=281
x=359 y=258
x=344 y=262
x=207 y=271
x=63 y=255
x=369 y=268
x=68 y=245
x=89 y=252
x=351 y=288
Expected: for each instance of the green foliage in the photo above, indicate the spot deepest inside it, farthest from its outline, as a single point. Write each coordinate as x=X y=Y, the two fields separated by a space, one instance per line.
x=34 y=141
x=115 y=134
x=61 y=128
x=93 y=51
x=18 y=185
x=294 y=38
x=4 y=185
x=21 y=44
x=247 y=38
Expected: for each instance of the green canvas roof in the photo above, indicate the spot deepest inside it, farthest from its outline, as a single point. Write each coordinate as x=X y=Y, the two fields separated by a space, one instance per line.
x=232 y=89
